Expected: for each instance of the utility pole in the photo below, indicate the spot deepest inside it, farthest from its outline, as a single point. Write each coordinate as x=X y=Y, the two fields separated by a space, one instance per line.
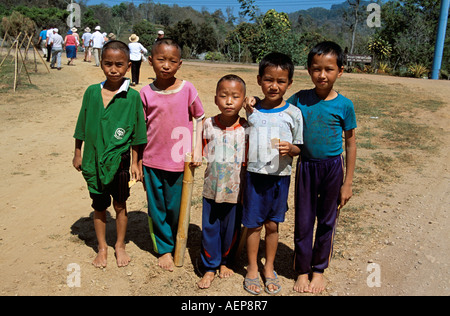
x=440 y=39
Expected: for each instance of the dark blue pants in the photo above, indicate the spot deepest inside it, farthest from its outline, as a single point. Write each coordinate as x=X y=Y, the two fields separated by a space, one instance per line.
x=317 y=191
x=221 y=223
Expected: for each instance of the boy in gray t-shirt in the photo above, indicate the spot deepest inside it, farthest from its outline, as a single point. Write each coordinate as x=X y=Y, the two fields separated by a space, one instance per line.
x=275 y=132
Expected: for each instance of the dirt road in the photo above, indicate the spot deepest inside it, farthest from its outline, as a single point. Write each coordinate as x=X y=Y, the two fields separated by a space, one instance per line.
x=47 y=236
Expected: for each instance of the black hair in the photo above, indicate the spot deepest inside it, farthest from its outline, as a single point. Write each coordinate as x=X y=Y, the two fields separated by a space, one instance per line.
x=232 y=78
x=118 y=45
x=277 y=60
x=166 y=41
x=326 y=48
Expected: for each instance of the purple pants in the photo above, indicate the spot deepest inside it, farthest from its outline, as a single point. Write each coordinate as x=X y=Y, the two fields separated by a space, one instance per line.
x=317 y=189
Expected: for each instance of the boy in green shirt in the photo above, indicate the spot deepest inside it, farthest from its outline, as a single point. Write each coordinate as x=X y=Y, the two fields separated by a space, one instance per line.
x=111 y=121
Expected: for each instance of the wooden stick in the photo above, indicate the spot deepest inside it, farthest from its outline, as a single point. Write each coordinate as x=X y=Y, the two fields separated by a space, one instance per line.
x=185 y=212
x=4 y=38
x=16 y=57
x=9 y=50
x=25 y=66
x=42 y=60
x=30 y=38
x=242 y=242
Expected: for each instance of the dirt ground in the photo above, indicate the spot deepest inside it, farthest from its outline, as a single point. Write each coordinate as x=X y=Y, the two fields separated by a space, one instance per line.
x=47 y=240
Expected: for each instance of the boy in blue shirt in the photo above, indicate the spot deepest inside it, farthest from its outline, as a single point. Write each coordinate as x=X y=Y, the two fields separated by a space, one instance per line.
x=321 y=189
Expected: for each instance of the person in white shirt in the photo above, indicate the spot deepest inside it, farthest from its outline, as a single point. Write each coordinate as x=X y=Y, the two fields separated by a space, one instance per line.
x=57 y=47
x=86 y=38
x=49 y=46
x=136 y=53
x=97 y=41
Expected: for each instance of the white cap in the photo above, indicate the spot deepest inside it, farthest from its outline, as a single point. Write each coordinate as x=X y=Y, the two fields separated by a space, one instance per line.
x=98 y=28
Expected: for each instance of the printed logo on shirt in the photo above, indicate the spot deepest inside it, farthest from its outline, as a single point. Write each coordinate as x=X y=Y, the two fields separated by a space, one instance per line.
x=120 y=132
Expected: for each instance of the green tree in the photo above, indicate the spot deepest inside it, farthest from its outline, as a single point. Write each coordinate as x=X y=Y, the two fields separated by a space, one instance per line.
x=146 y=32
x=248 y=8
x=88 y=19
x=409 y=26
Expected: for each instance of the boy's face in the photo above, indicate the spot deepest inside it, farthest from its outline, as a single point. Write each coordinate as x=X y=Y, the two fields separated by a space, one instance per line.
x=115 y=64
x=230 y=97
x=324 y=71
x=274 y=83
x=166 y=61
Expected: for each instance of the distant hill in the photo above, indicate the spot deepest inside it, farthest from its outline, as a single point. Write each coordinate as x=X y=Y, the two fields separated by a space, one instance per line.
x=318 y=15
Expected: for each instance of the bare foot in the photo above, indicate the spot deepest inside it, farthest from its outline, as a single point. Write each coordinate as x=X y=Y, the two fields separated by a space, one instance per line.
x=225 y=272
x=207 y=279
x=166 y=262
x=122 y=257
x=100 y=260
x=317 y=284
x=302 y=284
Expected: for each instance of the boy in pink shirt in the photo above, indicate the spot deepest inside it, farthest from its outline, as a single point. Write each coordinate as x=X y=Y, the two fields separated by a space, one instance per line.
x=170 y=106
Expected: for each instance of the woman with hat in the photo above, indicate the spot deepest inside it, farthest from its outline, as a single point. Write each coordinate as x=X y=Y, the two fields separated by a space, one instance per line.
x=87 y=45
x=71 y=43
x=136 y=53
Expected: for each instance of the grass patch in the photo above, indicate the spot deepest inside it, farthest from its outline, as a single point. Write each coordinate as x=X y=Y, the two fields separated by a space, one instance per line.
x=7 y=75
x=409 y=135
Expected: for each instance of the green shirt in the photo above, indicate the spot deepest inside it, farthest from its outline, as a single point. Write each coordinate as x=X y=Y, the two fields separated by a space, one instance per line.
x=108 y=132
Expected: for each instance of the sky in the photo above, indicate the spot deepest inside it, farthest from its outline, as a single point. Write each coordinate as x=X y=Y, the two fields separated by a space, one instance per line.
x=287 y=6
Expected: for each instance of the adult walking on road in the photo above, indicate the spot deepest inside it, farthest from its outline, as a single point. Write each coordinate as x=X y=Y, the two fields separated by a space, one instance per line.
x=97 y=41
x=136 y=55
x=71 y=43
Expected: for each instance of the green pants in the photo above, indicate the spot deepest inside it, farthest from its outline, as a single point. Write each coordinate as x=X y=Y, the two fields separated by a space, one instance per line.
x=164 y=198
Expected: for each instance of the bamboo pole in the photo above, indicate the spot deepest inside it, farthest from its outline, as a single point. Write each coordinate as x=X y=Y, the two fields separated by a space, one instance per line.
x=30 y=38
x=242 y=241
x=4 y=38
x=185 y=212
x=9 y=50
x=42 y=60
x=25 y=66
x=16 y=57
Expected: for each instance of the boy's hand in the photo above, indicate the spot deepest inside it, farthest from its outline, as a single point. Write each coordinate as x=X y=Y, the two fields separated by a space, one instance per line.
x=249 y=104
x=286 y=148
x=346 y=194
x=136 y=172
x=77 y=162
x=196 y=162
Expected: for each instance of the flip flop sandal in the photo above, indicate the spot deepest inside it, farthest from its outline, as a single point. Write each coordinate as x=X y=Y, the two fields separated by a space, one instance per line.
x=249 y=282
x=272 y=281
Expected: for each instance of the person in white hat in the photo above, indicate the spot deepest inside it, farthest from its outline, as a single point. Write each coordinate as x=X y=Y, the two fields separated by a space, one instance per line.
x=87 y=46
x=160 y=35
x=97 y=41
x=75 y=33
x=137 y=52
x=57 y=47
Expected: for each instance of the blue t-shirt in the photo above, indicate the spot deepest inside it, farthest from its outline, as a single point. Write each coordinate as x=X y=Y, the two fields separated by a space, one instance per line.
x=43 y=35
x=323 y=123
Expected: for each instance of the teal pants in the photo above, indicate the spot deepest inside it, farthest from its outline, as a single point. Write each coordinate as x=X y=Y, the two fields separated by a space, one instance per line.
x=164 y=198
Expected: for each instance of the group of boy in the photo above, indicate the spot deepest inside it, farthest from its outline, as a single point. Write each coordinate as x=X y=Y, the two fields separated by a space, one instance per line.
x=247 y=176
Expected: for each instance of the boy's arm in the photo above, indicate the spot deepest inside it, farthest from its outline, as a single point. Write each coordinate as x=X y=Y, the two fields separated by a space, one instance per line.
x=77 y=159
x=197 y=154
x=350 y=154
x=136 y=165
